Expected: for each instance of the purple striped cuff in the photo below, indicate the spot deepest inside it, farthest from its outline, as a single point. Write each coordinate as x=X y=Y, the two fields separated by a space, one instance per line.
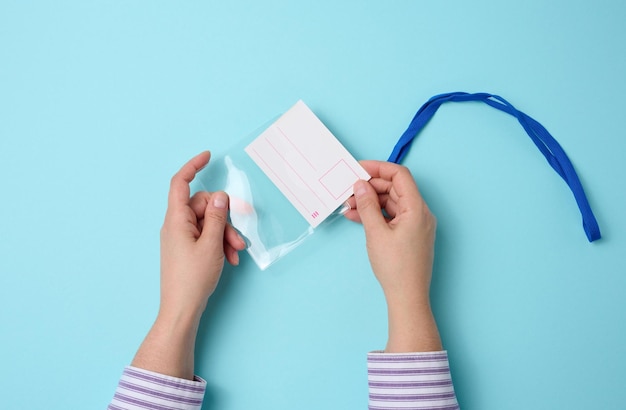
x=143 y=389
x=410 y=381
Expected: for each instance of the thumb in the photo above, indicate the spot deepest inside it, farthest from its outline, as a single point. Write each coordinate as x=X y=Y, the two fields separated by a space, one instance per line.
x=215 y=217
x=368 y=207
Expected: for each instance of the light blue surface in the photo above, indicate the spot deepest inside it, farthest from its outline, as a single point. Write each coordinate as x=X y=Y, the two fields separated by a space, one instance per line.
x=101 y=102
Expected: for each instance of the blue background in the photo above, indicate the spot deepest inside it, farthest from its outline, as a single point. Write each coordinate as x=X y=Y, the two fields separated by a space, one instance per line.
x=102 y=101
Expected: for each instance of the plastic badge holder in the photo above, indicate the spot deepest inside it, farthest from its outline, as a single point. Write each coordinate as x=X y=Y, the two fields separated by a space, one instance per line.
x=262 y=214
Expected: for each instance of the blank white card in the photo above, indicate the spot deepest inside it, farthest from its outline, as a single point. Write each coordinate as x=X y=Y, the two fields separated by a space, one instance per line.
x=307 y=163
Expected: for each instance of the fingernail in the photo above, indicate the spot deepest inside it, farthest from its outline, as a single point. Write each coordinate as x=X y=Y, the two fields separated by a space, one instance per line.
x=359 y=188
x=220 y=200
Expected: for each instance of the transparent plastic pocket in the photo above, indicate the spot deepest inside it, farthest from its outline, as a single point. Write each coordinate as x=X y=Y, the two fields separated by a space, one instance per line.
x=270 y=224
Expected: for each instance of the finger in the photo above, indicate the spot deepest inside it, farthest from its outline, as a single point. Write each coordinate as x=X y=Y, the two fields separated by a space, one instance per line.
x=399 y=176
x=236 y=205
x=368 y=207
x=385 y=202
x=372 y=167
x=379 y=169
x=352 y=202
x=179 y=185
x=388 y=204
x=215 y=217
x=199 y=202
x=381 y=186
x=232 y=237
x=353 y=215
x=231 y=254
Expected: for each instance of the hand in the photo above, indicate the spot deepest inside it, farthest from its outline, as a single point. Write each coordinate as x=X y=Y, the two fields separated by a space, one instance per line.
x=195 y=240
x=400 y=246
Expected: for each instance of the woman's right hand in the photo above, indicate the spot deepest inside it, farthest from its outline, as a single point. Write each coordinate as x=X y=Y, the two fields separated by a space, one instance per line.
x=400 y=246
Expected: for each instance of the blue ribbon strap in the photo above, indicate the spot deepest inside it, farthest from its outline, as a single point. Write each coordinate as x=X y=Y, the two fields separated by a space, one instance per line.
x=548 y=146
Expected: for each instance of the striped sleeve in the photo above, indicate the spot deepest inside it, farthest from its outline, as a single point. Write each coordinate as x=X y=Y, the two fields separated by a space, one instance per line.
x=410 y=381
x=140 y=389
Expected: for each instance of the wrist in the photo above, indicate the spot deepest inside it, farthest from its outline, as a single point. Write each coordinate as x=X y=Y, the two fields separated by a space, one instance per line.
x=407 y=299
x=169 y=346
x=180 y=318
x=412 y=327
x=181 y=305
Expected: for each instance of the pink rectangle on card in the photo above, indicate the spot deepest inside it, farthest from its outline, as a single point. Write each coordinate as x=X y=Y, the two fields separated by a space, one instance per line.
x=339 y=179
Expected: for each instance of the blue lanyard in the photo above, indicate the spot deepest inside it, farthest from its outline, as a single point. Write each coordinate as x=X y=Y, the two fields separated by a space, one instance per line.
x=548 y=146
